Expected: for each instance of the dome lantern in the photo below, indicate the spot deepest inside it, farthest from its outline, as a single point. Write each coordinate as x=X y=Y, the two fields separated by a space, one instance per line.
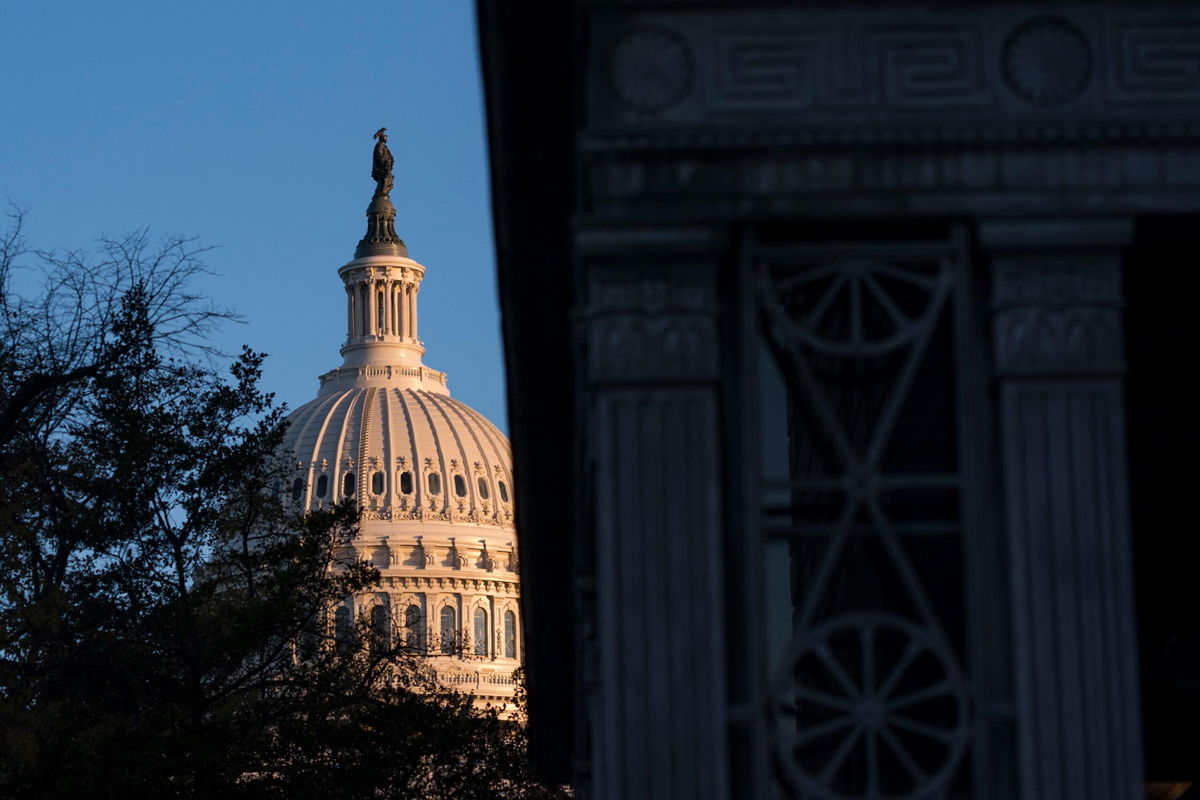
x=382 y=282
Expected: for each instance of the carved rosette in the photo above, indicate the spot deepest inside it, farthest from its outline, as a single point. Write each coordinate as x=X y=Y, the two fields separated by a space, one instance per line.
x=1047 y=61
x=651 y=68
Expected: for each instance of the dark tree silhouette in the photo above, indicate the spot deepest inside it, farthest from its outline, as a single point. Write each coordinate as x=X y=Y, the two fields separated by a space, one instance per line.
x=164 y=626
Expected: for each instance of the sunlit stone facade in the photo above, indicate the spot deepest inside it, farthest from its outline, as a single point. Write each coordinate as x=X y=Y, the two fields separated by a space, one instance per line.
x=432 y=477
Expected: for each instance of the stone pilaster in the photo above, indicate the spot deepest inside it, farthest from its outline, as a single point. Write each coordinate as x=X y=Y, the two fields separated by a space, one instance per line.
x=1058 y=357
x=654 y=665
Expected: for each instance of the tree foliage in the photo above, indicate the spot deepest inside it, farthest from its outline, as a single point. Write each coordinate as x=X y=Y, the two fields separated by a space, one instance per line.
x=162 y=610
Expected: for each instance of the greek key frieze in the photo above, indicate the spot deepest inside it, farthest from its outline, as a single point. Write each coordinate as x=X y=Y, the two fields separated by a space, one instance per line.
x=1154 y=61
x=818 y=69
x=835 y=68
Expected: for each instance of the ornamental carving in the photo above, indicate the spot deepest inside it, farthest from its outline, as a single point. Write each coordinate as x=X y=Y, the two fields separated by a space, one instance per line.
x=652 y=326
x=1047 y=61
x=888 y=71
x=651 y=68
x=1057 y=317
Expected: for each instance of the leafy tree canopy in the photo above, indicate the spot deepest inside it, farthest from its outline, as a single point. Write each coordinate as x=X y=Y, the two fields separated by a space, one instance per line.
x=162 y=612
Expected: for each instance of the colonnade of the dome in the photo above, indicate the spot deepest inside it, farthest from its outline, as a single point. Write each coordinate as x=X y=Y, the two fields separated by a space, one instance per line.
x=382 y=301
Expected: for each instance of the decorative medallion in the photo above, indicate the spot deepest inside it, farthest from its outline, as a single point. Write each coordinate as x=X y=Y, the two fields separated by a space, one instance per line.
x=869 y=705
x=1047 y=61
x=651 y=68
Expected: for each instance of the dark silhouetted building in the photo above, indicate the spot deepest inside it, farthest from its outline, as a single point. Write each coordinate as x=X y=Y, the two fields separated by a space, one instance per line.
x=849 y=351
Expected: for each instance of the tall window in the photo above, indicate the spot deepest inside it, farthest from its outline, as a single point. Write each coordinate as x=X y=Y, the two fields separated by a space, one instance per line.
x=460 y=486
x=381 y=634
x=322 y=485
x=348 y=485
x=481 y=632
x=449 y=631
x=435 y=483
x=406 y=482
x=343 y=631
x=414 y=635
x=309 y=643
x=510 y=634
x=377 y=483
x=297 y=489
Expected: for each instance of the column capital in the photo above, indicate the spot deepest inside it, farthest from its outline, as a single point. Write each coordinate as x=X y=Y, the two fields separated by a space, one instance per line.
x=1056 y=295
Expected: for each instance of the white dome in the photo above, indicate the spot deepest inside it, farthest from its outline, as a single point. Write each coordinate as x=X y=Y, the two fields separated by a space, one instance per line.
x=414 y=454
x=432 y=479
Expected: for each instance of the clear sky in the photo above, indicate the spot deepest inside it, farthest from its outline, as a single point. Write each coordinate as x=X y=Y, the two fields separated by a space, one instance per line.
x=248 y=124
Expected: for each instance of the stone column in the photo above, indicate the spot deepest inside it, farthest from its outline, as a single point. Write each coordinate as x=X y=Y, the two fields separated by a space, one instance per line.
x=412 y=311
x=365 y=295
x=389 y=324
x=397 y=292
x=655 y=664
x=1058 y=359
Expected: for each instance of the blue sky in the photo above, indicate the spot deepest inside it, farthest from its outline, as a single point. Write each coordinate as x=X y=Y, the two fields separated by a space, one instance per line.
x=248 y=124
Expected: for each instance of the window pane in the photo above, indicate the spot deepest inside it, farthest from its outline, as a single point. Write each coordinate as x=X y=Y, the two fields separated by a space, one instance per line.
x=435 y=483
x=406 y=484
x=503 y=492
x=510 y=634
x=460 y=486
x=481 y=632
x=381 y=634
x=415 y=638
x=297 y=489
x=348 y=486
x=448 y=630
x=322 y=485
x=343 y=632
x=483 y=488
x=377 y=483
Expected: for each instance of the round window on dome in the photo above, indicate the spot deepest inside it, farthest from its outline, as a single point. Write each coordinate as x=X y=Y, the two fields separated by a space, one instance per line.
x=322 y=485
x=434 y=482
x=483 y=489
x=406 y=482
x=348 y=484
x=460 y=486
x=503 y=491
x=377 y=483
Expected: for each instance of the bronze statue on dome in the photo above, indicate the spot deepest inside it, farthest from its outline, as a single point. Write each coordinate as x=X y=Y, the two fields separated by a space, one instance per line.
x=381 y=166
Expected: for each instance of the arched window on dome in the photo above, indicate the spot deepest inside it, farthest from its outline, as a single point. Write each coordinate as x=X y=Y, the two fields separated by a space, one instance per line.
x=480 y=624
x=510 y=634
x=503 y=491
x=414 y=629
x=483 y=488
x=297 y=489
x=377 y=483
x=460 y=486
x=322 y=485
x=434 y=482
x=449 y=630
x=381 y=630
x=406 y=482
x=309 y=642
x=348 y=485
x=343 y=630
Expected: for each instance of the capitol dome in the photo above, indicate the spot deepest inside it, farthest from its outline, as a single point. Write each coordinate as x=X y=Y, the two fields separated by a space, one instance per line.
x=431 y=476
